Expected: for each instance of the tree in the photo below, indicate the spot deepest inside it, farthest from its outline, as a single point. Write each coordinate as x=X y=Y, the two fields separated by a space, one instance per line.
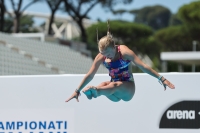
x=2 y=13
x=175 y=20
x=18 y=10
x=137 y=37
x=119 y=12
x=155 y=16
x=8 y=25
x=189 y=14
x=53 y=5
x=26 y=24
x=180 y=37
x=79 y=10
x=175 y=38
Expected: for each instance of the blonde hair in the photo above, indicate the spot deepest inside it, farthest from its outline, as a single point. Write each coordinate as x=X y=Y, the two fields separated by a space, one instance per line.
x=106 y=41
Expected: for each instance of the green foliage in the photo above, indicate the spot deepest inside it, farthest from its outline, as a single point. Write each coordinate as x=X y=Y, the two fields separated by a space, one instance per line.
x=137 y=37
x=155 y=16
x=26 y=24
x=119 y=11
x=156 y=62
x=175 y=20
x=79 y=10
x=183 y=31
x=152 y=48
x=180 y=37
x=190 y=14
x=173 y=67
x=174 y=38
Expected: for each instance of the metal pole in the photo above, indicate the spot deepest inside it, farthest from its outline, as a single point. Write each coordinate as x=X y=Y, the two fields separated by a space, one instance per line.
x=180 y=68
x=194 y=43
x=164 y=66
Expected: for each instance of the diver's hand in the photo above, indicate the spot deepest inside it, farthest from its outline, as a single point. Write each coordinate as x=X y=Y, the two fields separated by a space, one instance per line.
x=167 y=83
x=76 y=94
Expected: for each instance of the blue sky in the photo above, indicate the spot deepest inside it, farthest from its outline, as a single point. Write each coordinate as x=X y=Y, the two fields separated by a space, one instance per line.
x=99 y=12
x=173 y=5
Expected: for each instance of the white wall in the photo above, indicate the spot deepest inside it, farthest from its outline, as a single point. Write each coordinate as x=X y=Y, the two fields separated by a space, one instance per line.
x=140 y=115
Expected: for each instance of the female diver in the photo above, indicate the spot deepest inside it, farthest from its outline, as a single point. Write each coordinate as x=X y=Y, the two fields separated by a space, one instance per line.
x=117 y=59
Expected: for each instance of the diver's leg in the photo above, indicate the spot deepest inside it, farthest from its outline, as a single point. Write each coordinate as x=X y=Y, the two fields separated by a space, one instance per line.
x=121 y=89
x=89 y=92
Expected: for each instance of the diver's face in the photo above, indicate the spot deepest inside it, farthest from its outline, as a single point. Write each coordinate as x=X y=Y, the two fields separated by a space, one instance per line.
x=109 y=52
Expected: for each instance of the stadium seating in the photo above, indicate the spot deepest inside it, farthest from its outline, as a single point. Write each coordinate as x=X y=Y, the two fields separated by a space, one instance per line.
x=27 y=56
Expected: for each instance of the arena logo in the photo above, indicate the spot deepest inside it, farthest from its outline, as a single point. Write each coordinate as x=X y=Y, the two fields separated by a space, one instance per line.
x=33 y=126
x=178 y=114
x=184 y=114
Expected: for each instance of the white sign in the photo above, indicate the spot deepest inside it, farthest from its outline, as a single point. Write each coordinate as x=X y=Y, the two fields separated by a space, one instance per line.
x=36 y=121
x=29 y=101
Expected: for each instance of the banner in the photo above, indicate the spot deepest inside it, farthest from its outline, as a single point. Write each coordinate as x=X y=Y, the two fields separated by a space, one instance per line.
x=36 y=104
x=36 y=121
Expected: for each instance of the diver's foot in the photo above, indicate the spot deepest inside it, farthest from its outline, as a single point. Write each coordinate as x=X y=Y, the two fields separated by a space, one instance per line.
x=90 y=92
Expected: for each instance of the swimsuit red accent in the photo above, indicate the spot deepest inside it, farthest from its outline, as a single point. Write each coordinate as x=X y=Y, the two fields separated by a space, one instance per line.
x=118 y=70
